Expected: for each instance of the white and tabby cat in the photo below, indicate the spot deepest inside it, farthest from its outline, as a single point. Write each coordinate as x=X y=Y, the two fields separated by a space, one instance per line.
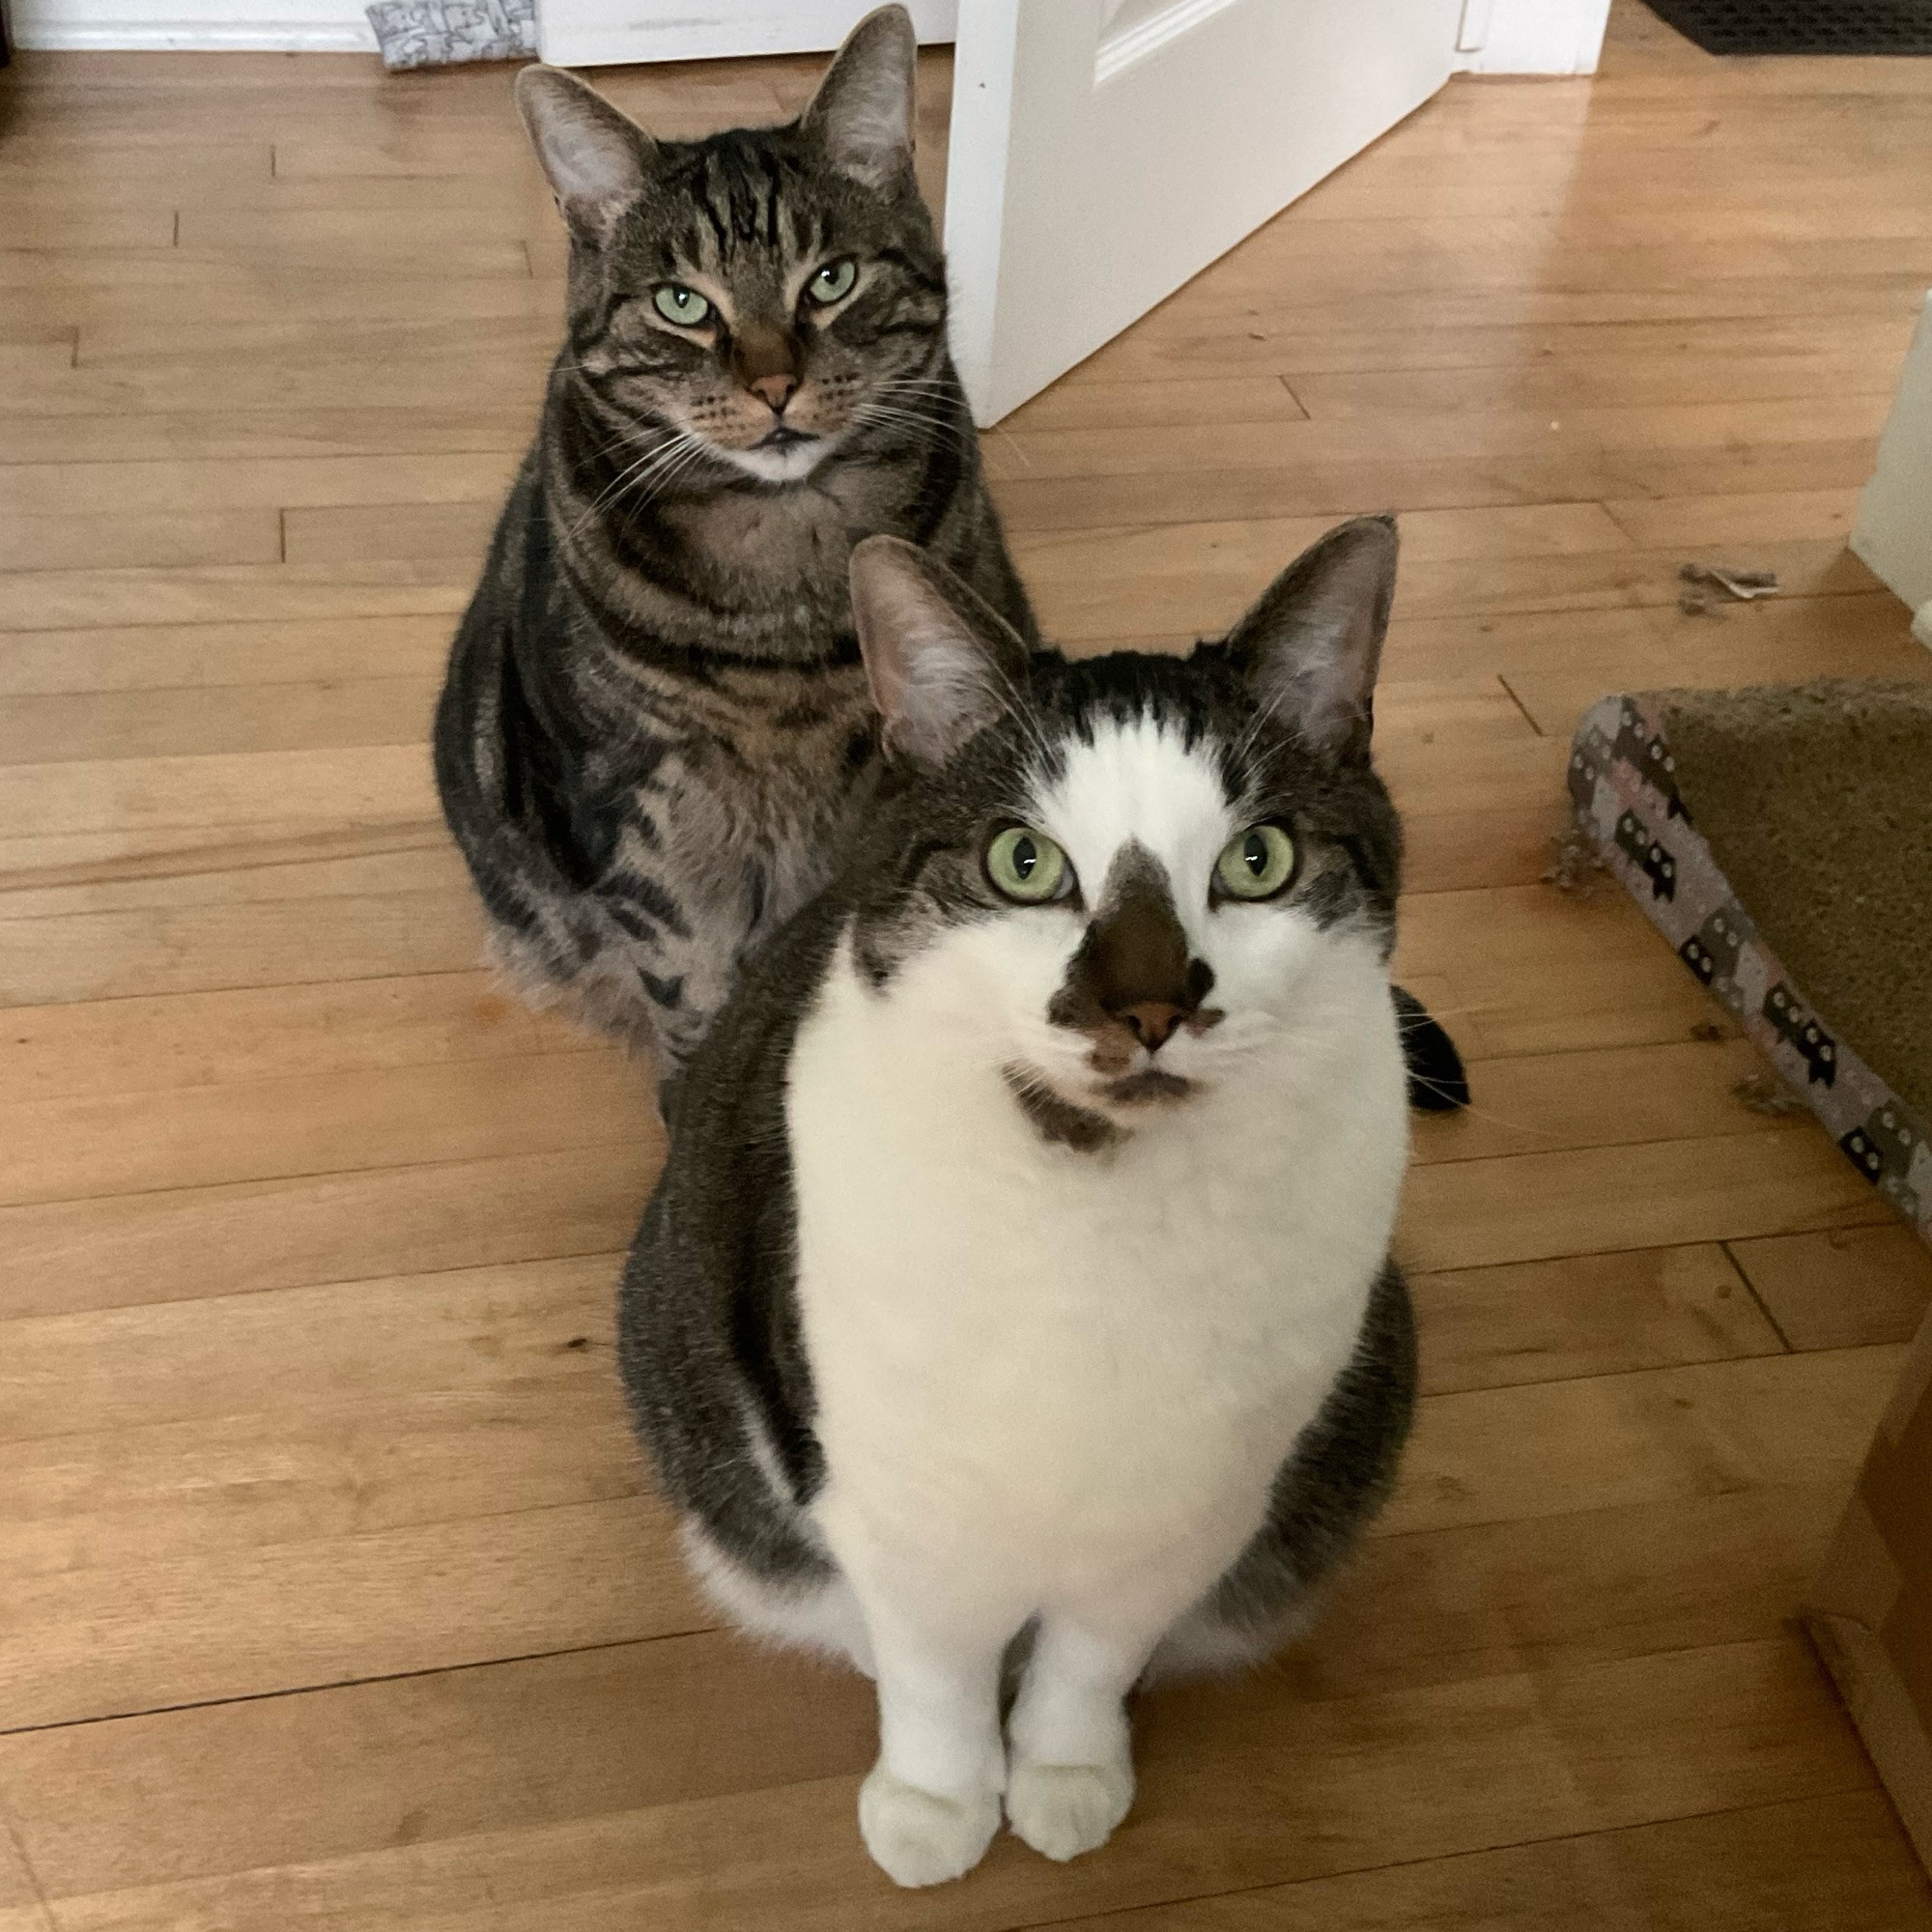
x=1017 y=1293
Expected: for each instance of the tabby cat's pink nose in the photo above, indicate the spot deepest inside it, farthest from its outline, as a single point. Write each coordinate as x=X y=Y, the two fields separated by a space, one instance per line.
x=777 y=391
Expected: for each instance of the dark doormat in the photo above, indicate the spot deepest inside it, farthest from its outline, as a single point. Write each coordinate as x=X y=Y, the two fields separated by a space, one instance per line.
x=1802 y=26
x=1781 y=840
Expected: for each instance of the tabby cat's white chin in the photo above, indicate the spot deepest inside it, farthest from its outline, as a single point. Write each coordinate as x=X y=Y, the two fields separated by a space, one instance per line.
x=788 y=463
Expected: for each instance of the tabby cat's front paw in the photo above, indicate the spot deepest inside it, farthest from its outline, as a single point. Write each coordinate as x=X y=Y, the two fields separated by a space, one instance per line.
x=918 y=1837
x=1064 y=1810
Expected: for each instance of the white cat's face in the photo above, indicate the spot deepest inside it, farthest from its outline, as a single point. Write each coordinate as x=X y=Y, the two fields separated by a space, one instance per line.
x=1155 y=931
x=1129 y=880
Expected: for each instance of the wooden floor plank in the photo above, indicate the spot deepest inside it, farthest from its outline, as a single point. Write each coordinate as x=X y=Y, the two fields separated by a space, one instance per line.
x=63 y=1256
x=1843 y=1290
x=110 y=1047
x=1540 y=1103
x=330 y=786
x=1531 y=1206
x=34 y=543
x=52 y=600
x=1832 y=1863
x=197 y=721
x=203 y=484
x=204 y=657
x=1549 y=1448
x=316 y=1124
x=1589 y=1315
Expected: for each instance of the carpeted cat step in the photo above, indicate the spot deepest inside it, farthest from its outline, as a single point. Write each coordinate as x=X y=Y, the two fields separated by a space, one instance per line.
x=1780 y=838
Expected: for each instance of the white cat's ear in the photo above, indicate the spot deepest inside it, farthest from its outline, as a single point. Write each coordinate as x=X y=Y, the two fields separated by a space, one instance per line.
x=1311 y=647
x=596 y=157
x=942 y=663
x=862 y=112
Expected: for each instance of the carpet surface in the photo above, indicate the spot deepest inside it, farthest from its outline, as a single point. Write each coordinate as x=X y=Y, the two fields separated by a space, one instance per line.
x=1780 y=839
x=1816 y=802
x=1802 y=26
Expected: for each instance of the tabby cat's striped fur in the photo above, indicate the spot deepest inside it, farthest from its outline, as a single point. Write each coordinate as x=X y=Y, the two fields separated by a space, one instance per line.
x=656 y=724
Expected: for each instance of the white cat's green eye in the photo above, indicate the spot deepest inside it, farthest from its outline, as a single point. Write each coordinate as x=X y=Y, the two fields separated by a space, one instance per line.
x=1026 y=866
x=679 y=305
x=832 y=282
x=1256 y=864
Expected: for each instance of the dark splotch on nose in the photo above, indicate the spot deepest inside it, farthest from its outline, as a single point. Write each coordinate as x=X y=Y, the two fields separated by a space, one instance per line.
x=1133 y=981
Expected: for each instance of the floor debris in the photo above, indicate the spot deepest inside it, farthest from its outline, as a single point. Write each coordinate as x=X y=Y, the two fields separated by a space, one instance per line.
x=1576 y=865
x=1763 y=1094
x=1743 y=585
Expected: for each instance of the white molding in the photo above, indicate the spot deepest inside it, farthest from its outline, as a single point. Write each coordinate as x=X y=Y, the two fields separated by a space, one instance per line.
x=609 y=33
x=573 y=33
x=174 y=26
x=1553 y=37
x=1118 y=51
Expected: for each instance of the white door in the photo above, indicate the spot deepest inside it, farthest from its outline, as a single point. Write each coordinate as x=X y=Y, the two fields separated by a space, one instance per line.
x=1105 y=151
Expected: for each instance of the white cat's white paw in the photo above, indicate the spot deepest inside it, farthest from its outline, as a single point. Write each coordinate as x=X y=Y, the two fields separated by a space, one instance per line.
x=917 y=1837
x=1064 y=1810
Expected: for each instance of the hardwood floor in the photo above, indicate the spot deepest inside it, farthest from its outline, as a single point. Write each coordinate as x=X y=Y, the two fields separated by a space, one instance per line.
x=335 y=1595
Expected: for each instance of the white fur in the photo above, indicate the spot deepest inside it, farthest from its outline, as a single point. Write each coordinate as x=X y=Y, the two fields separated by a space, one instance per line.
x=1056 y=1384
x=790 y=463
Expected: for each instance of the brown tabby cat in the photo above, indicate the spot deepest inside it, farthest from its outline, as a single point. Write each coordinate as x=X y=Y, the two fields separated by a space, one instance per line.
x=656 y=722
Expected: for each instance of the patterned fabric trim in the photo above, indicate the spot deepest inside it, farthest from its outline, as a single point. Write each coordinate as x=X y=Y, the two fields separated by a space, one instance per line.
x=445 y=33
x=1623 y=783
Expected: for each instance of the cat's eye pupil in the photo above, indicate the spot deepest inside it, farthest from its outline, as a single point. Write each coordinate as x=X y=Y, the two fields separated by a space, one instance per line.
x=1255 y=852
x=1025 y=856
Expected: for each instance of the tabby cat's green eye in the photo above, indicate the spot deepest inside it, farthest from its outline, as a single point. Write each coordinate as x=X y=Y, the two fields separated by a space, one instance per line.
x=1256 y=864
x=1026 y=866
x=832 y=282
x=679 y=305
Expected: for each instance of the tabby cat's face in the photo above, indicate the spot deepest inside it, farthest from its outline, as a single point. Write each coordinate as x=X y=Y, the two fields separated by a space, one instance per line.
x=1120 y=879
x=762 y=299
x=757 y=303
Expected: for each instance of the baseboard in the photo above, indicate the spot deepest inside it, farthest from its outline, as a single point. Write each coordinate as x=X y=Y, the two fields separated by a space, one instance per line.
x=593 y=33
x=294 y=26
x=1547 y=37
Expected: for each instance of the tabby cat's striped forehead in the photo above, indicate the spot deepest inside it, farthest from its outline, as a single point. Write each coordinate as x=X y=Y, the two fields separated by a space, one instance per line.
x=741 y=196
x=754 y=203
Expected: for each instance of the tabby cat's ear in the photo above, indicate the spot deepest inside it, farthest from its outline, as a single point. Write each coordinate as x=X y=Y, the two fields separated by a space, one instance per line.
x=942 y=663
x=597 y=158
x=1310 y=648
x=862 y=113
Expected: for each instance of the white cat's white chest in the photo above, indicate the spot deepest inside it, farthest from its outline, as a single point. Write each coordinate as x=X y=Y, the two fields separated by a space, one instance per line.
x=1040 y=1368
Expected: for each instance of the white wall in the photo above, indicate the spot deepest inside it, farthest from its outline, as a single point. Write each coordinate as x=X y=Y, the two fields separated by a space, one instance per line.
x=1893 y=532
